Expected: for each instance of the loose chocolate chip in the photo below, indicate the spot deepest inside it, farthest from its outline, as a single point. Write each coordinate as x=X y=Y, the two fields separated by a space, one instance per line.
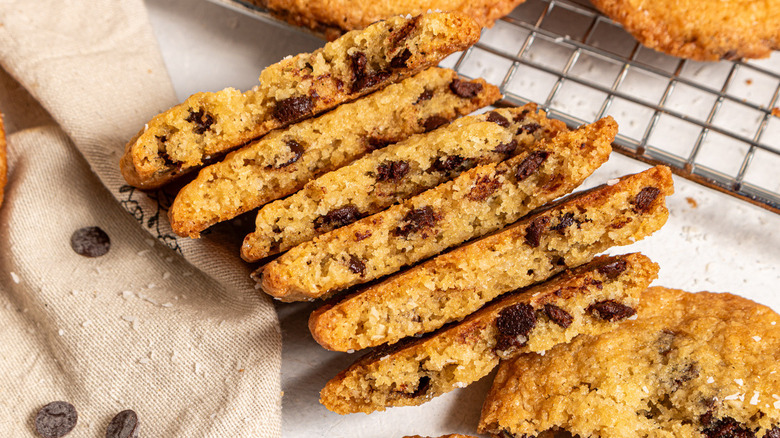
x=728 y=428
x=337 y=218
x=399 y=60
x=90 y=242
x=434 y=122
x=56 y=419
x=558 y=315
x=565 y=222
x=529 y=128
x=513 y=325
x=293 y=108
x=484 y=186
x=361 y=78
x=448 y=163
x=425 y=95
x=202 y=121
x=612 y=270
x=644 y=198
x=297 y=151
x=534 y=230
x=465 y=89
x=419 y=219
x=497 y=119
x=123 y=425
x=506 y=148
x=357 y=266
x=530 y=164
x=611 y=310
x=392 y=171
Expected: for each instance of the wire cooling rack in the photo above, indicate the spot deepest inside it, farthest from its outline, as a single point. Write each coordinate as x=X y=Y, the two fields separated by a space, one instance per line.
x=712 y=123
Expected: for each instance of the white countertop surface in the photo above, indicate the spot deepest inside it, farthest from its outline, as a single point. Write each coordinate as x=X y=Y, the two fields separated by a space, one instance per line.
x=720 y=245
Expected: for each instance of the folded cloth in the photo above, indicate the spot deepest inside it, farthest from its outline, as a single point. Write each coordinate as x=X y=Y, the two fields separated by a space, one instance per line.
x=137 y=328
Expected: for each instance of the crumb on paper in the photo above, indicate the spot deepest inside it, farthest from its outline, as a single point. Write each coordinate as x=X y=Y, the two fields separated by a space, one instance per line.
x=776 y=111
x=749 y=81
x=692 y=202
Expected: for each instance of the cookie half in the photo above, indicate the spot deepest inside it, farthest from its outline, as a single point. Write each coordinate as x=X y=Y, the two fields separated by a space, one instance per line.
x=589 y=299
x=475 y=203
x=704 y=30
x=284 y=160
x=690 y=365
x=451 y=286
x=208 y=125
x=376 y=181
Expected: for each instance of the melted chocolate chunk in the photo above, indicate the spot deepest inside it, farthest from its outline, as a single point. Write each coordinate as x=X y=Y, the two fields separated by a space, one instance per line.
x=774 y=432
x=357 y=266
x=419 y=219
x=90 y=242
x=170 y=162
x=529 y=128
x=380 y=143
x=558 y=315
x=123 y=425
x=506 y=148
x=403 y=32
x=465 y=89
x=513 y=324
x=399 y=60
x=534 y=230
x=531 y=164
x=425 y=95
x=483 y=188
x=449 y=163
x=202 y=121
x=392 y=171
x=293 y=108
x=611 y=310
x=434 y=122
x=56 y=419
x=337 y=218
x=565 y=222
x=520 y=117
x=612 y=270
x=361 y=78
x=645 y=198
x=297 y=151
x=727 y=428
x=422 y=387
x=498 y=119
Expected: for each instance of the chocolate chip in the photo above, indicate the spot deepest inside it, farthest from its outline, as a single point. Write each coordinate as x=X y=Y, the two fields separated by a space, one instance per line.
x=362 y=235
x=337 y=218
x=379 y=143
x=506 y=148
x=434 y=122
x=645 y=198
x=730 y=55
x=687 y=373
x=520 y=117
x=465 y=89
x=403 y=32
x=612 y=270
x=558 y=315
x=419 y=219
x=530 y=164
x=528 y=128
x=448 y=163
x=361 y=78
x=513 y=325
x=425 y=95
x=422 y=387
x=774 y=432
x=484 y=186
x=201 y=119
x=170 y=162
x=611 y=310
x=56 y=419
x=497 y=119
x=297 y=151
x=728 y=428
x=90 y=242
x=534 y=230
x=392 y=170
x=123 y=425
x=565 y=222
x=357 y=266
x=293 y=108
x=399 y=60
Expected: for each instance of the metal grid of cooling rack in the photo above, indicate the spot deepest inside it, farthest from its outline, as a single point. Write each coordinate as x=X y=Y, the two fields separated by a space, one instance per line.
x=710 y=122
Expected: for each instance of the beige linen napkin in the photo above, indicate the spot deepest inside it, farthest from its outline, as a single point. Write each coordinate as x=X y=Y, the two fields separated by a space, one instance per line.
x=138 y=328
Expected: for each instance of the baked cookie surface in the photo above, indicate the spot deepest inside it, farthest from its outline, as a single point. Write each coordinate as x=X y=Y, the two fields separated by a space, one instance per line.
x=690 y=365
x=704 y=30
x=284 y=160
x=208 y=125
x=533 y=319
